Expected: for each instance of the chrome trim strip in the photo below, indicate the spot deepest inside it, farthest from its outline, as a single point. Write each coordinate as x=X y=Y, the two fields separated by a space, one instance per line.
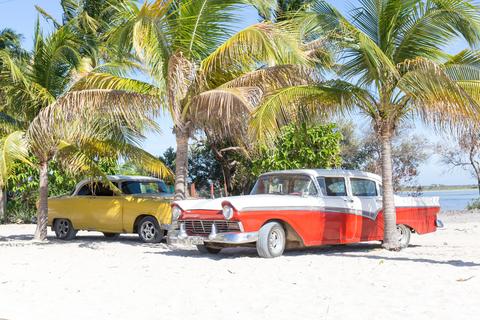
x=364 y=213
x=227 y=238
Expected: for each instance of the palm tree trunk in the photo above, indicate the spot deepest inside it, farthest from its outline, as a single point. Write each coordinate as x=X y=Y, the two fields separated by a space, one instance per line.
x=181 y=165
x=3 y=203
x=42 y=211
x=390 y=238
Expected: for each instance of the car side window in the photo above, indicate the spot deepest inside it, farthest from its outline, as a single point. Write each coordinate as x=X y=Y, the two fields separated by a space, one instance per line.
x=95 y=189
x=103 y=190
x=86 y=190
x=332 y=186
x=304 y=186
x=363 y=187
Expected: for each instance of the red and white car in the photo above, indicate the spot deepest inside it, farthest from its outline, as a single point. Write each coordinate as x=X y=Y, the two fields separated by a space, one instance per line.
x=300 y=208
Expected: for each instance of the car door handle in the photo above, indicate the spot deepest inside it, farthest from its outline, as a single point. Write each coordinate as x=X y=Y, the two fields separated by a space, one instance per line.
x=348 y=200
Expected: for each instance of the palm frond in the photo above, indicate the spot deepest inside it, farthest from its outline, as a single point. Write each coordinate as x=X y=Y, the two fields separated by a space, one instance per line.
x=432 y=25
x=273 y=78
x=264 y=42
x=106 y=81
x=437 y=98
x=293 y=104
x=225 y=109
x=80 y=114
x=12 y=147
x=147 y=161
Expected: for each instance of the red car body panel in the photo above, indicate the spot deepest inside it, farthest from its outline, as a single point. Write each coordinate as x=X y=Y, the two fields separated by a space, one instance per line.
x=323 y=228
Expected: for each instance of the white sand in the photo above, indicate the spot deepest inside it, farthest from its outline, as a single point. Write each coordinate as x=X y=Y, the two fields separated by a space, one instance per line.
x=90 y=278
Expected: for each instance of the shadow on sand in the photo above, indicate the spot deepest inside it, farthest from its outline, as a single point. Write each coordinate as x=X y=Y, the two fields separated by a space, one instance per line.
x=88 y=241
x=360 y=250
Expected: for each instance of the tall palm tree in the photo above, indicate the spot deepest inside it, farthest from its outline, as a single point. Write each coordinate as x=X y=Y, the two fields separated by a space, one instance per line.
x=206 y=74
x=393 y=68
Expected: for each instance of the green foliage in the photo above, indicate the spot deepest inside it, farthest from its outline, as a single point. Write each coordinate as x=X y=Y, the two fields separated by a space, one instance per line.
x=474 y=205
x=23 y=186
x=203 y=168
x=301 y=146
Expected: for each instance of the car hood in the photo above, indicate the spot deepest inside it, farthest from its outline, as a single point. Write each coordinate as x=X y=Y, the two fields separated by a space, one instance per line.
x=242 y=203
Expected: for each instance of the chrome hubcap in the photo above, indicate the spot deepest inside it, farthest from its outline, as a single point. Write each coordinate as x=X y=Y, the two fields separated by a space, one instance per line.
x=63 y=228
x=275 y=241
x=148 y=230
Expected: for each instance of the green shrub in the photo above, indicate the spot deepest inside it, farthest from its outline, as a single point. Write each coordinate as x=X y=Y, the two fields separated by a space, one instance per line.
x=20 y=212
x=475 y=204
x=303 y=146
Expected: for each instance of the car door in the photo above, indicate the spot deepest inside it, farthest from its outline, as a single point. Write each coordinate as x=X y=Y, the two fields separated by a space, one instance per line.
x=335 y=220
x=367 y=203
x=145 y=197
x=101 y=208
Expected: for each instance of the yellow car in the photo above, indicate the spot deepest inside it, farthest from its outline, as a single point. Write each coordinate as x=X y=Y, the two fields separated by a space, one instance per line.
x=143 y=208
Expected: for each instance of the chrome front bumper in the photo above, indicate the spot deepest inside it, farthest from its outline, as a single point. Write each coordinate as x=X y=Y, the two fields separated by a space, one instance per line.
x=181 y=237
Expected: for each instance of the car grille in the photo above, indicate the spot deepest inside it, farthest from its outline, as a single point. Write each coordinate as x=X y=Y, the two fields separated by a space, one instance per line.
x=205 y=226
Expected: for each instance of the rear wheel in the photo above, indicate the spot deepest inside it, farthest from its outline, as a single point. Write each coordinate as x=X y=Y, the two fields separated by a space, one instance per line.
x=64 y=229
x=111 y=236
x=208 y=249
x=404 y=234
x=149 y=230
x=271 y=240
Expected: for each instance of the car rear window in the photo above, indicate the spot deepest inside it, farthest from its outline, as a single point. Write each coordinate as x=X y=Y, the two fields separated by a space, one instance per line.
x=144 y=187
x=363 y=187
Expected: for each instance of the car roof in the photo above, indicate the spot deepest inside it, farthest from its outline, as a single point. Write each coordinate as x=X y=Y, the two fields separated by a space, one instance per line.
x=118 y=178
x=330 y=173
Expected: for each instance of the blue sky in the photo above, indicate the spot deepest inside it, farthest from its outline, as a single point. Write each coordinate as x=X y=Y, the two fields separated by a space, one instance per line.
x=21 y=15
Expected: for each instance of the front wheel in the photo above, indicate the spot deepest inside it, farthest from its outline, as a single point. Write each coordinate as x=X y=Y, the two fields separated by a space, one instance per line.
x=208 y=249
x=149 y=230
x=271 y=240
x=64 y=229
x=404 y=234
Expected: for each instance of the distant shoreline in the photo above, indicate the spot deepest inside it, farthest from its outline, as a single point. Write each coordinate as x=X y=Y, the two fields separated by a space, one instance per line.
x=440 y=188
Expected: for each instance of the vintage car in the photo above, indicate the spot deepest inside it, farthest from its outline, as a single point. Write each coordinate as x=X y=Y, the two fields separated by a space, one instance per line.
x=299 y=208
x=143 y=207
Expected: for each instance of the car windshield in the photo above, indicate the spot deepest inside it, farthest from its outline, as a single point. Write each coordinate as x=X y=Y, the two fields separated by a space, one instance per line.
x=285 y=184
x=144 y=187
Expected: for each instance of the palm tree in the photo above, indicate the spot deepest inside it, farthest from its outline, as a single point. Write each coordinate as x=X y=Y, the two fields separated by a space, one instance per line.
x=392 y=69
x=204 y=73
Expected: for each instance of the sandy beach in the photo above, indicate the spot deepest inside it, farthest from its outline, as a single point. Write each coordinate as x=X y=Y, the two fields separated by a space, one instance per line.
x=437 y=277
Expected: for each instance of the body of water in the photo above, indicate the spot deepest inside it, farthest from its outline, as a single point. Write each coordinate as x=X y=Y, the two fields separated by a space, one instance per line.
x=453 y=199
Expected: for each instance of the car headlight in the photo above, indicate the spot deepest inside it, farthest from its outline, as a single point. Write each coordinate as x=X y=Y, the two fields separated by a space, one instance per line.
x=176 y=212
x=227 y=212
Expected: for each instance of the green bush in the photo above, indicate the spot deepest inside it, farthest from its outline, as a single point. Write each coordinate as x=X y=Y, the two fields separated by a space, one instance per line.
x=475 y=204
x=302 y=146
x=23 y=186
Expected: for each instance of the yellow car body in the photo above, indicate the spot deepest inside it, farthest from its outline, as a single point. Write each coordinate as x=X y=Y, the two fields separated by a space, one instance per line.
x=112 y=213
